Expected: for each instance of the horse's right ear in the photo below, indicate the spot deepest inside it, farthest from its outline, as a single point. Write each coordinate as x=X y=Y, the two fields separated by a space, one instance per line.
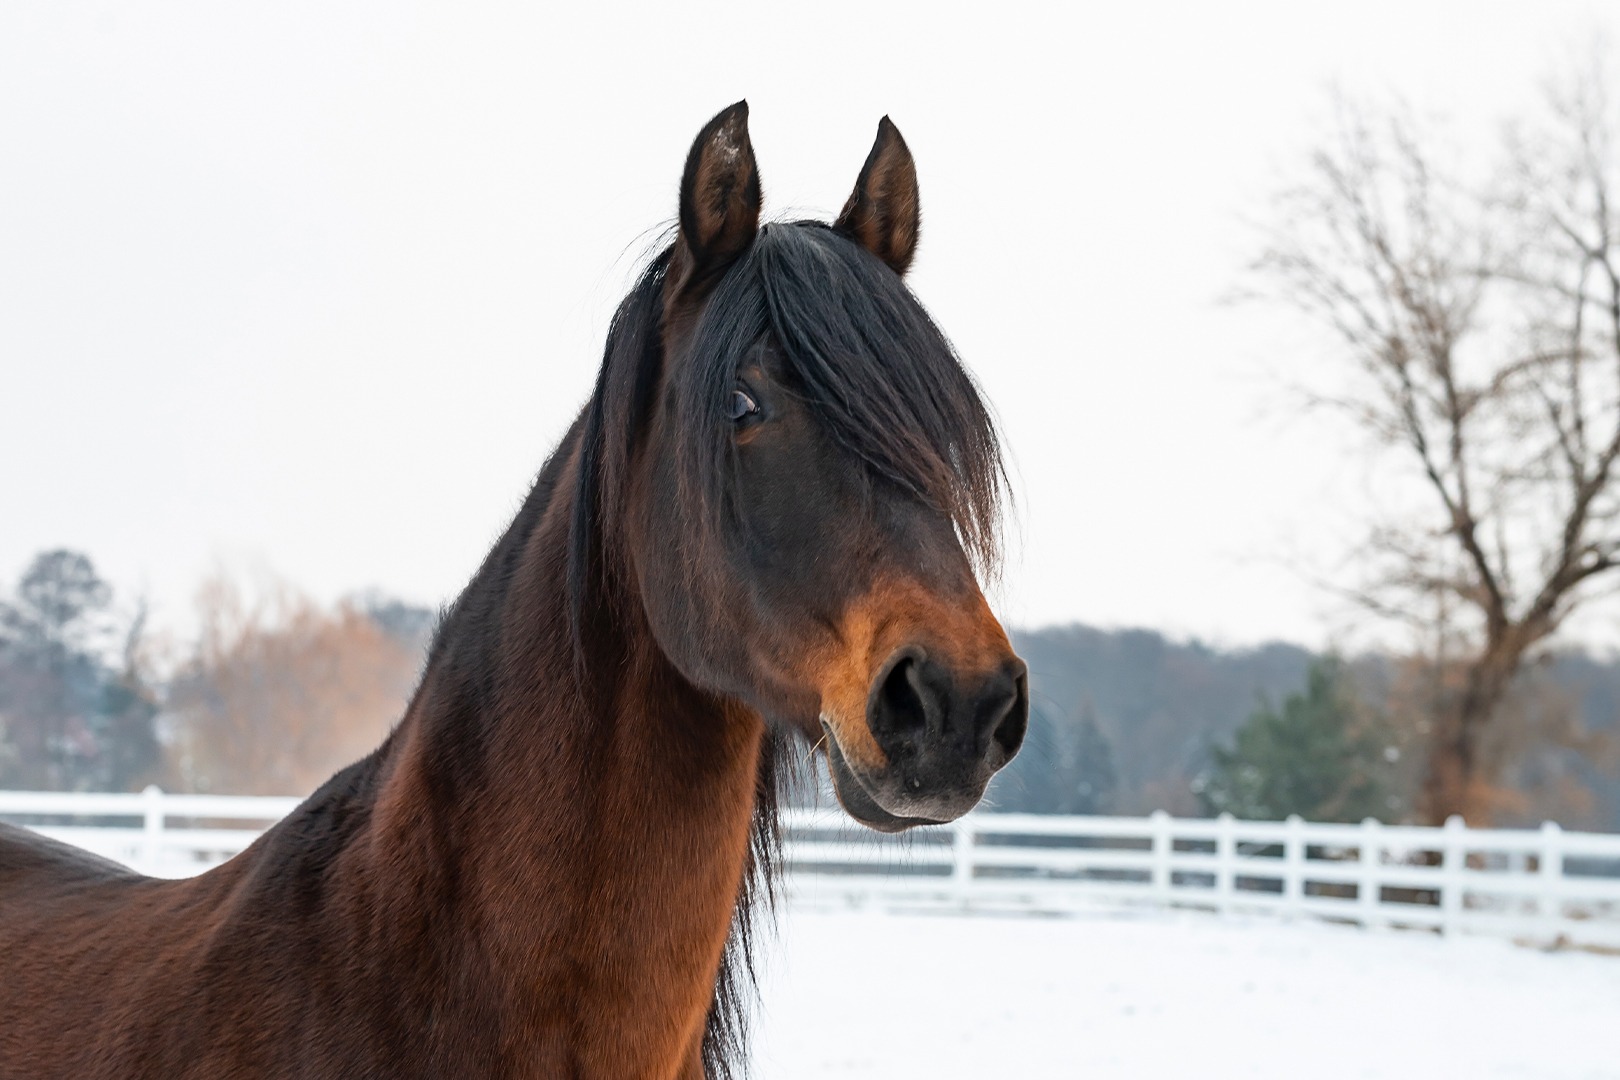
x=719 y=199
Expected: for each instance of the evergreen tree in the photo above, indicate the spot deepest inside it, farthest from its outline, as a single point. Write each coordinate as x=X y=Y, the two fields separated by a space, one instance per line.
x=1310 y=758
x=1088 y=780
x=1065 y=767
x=69 y=718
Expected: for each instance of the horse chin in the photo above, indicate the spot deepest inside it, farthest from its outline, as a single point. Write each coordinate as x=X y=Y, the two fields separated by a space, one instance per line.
x=857 y=801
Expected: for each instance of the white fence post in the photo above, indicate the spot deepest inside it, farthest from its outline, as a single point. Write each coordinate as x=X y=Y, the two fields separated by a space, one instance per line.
x=962 y=858
x=1454 y=873
x=1367 y=887
x=152 y=847
x=1293 y=866
x=1225 y=854
x=1163 y=845
x=1550 y=867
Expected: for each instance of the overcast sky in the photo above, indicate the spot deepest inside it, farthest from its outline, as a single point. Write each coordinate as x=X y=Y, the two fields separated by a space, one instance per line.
x=315 y=287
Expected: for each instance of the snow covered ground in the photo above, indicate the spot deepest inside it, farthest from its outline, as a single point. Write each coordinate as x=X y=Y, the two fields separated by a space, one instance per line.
x=1138 y=995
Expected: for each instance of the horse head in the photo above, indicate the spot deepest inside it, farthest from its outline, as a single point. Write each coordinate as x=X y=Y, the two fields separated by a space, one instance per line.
x=812 y=485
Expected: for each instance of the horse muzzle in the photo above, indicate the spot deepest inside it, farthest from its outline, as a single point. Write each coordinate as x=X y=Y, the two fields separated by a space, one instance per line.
x=943 y=734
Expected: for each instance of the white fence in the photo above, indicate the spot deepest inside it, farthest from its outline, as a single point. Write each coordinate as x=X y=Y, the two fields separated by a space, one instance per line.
x=1545 y=885
x=154 y=832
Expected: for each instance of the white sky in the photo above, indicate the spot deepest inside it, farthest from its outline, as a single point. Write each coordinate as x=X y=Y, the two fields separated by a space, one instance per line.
x=316 y=286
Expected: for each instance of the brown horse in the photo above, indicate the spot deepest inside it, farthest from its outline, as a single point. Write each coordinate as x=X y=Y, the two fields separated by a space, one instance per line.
x=766 y=520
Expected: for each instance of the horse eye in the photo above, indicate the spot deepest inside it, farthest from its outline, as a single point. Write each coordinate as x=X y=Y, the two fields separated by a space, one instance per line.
x=741 y=405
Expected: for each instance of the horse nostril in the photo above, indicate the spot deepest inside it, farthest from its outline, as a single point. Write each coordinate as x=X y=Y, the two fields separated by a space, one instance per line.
x=898 y=708
x=1010 y=719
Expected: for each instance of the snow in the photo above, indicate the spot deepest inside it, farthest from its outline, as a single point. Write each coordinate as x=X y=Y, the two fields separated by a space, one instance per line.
x=864 y=994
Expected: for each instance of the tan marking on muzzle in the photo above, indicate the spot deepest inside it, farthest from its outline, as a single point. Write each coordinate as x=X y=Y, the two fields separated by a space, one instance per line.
x=959 y=632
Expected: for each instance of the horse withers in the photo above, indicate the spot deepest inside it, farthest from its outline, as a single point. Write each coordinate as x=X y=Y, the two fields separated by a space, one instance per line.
x=766 y=523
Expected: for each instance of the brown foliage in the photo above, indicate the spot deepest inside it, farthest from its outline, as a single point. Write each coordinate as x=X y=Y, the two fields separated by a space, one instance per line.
x=279 y=694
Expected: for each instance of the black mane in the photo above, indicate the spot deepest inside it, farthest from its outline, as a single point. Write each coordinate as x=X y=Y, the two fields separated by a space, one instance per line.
x=880 y=376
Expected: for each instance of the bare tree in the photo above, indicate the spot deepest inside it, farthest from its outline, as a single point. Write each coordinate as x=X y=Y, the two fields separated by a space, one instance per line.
x=1479 y=325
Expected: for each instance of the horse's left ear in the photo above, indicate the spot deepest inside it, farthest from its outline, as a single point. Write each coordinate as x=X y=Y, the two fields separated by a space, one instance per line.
x=883 y=214
x=719 y=197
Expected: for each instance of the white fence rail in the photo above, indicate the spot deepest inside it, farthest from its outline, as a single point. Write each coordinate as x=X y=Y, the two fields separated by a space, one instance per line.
x=1545 y=885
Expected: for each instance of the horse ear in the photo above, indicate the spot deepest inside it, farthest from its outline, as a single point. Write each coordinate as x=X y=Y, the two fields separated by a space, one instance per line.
x=719 y=196
x=883 y=214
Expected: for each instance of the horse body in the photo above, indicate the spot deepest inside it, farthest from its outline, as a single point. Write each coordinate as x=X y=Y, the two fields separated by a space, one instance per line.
x=755 y=528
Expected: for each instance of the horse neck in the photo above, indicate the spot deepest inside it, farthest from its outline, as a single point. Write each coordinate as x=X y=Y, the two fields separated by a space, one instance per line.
x=577 y=822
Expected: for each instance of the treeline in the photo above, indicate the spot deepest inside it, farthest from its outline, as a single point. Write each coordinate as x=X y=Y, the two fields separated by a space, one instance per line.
x=1275 y=729
x=277 y=692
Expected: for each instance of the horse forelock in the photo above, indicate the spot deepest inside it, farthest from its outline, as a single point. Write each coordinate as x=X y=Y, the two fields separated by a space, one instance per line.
x=873 y=368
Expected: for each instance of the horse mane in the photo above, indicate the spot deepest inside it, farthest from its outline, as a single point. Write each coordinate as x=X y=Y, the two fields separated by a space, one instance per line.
x=876 y=372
